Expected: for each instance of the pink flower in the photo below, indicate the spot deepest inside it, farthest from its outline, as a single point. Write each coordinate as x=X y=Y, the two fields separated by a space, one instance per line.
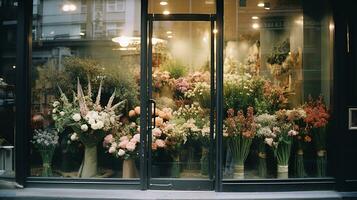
x=160 y=143
x=292 y=133
x=156 y=132
x=158 y=121
x=123 y=138
x=137 y=137
x=269 y=141
x=123 y=144
x=130 y=146
x=108 y=139
x=111 y=150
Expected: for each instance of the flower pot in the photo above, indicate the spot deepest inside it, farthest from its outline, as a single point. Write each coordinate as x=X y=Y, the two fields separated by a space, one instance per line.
x=204 y=161
x=129 y=169
x=238 y=171
x=47 y=155
x=283 y=171
x=89 y=165
x=321 y=162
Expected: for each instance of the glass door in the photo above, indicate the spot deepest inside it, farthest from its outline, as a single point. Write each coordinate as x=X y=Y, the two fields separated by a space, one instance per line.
x=181 y=110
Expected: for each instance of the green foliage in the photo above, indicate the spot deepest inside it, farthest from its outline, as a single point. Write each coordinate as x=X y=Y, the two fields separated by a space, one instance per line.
x=175 y=68
x=115 y=78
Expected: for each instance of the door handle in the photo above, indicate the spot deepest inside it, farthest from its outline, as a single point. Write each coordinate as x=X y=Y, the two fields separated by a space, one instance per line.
x=152 y=103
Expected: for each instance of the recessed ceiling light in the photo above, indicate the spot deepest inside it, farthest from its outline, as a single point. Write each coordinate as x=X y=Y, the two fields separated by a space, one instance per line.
x=81 y=33
x=169 y=36
x=163 y=3
x=14 y=66
x=261 y=5
x=169 y=32
x=210 y=2
x=255 y=17
x=267 y=8
x=166 y=12
x=69 y=7
x=255 y=25
x=215 y=31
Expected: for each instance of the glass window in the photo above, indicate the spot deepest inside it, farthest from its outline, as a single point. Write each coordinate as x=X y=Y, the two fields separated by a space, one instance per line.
x=182 y=6
x=84 y=83
x=8 y=25
x=277 y=89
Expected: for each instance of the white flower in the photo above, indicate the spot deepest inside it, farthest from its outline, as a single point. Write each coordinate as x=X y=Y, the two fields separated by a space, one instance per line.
x=76 y=117
x=91 y=121
x=111 y=149
x=56 y=103
x=100 y=124
x=121 y=152
x=62 y=113
x=137 y=137
x=114 y=145
x=94 y=126
x=292 y=133
x=54 y=110
x=74 y=137
x=269 y=141
x=84 y=127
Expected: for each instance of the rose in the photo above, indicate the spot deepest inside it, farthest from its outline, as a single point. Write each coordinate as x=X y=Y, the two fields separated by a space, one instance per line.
x=137 y=110
x=160 y=143
x=132 y=113
x=123 y=144
x=123 y=138
x=158 y=121
x=54 y=110
x=76 y=117
x=136 y=137
x=84 y=127
x=111 y=149
x=130 y=146
x=121 y=152
x=74 y=137
x=62 y=113
x=156 y=132
x=108 y=139
x=100 y=124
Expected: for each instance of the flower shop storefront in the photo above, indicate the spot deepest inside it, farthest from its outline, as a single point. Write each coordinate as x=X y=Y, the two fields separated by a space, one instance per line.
x=219 y=95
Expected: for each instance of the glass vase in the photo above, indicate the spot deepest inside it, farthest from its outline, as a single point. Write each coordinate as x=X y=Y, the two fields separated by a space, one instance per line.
x=321 y=162
x=262 y=164
x=175 y=168
x=299 y=164
x=47 y=155
x=89 y=165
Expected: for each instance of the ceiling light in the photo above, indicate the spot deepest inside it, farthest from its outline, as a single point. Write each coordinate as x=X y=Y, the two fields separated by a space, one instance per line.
x=122 y=40
x=255 y=26
x=14 y=66
x=169 y=32
x=261 y=5
x=209 y=2
x=163 y=3
x=81 y=33
x=169 y=36
x=215 y=31
x=69 y=7
x=267 y=8
x=166 y=12
x=255 y=17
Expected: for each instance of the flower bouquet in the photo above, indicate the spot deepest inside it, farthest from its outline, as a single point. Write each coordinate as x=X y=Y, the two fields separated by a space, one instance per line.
x=317 y=117
x=90 y=122
x=241 y=130
x=281 y=139
x=162 y=83
x=296 y=116
x=45 y=142
x=125 y=144
x=265 y=125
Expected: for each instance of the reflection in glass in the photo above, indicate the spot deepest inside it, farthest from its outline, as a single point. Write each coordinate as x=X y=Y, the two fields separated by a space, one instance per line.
x=85 y=80
x=167 y=7
x=8 y=16
x=181 y=89
x=277 y=83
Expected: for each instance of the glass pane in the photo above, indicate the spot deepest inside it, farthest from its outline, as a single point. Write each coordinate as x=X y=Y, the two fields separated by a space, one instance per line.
x=86 y=60
x=277 y=89
x=182 y=6
x=8 y=25
x=181 y=89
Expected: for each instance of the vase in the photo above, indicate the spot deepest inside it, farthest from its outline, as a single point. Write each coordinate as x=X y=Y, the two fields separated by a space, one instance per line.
x=89 y=165
x=283 y=171
x=175 y=168
x=299 y=164
x=129 y=169
x=190 y=158
x=262 y=164
x=238 y=172
x=47 y=155
x=204 y=161
x=321 y=162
